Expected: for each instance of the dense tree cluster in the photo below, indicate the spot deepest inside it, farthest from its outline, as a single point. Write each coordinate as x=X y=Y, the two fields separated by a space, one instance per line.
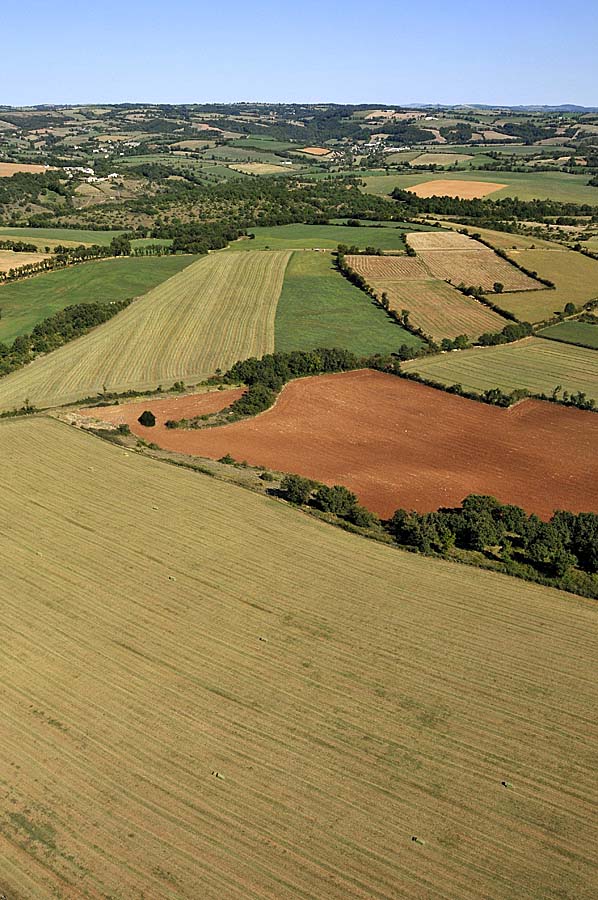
x=482 y=523
x=489 y=210
x=18 y=246
x=275 y=369
x=336 y=500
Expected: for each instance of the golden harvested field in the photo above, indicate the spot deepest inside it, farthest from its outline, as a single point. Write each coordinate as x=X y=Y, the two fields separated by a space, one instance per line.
x=11 y=260
x=575 y=277
x=243 y=639
x=439 y=159
x=466 y=190
x=459 y=258
x=439 y=309
x=258 y=168
x=216 y=311
x=533 y=363
x=434 y=306
x=506 y=241
x=442 y=240
x=316 y=151
x=8 y=168
x=474 y=267
x=389 y=267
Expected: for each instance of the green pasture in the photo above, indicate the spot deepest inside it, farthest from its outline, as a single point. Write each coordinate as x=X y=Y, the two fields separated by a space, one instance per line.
x=525 y=185
x=27 y=302
x=319 y=308
x=583 y=334
x=309 y=237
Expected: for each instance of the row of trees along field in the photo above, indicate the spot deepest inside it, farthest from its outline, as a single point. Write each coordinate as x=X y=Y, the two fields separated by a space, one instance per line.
x=490 y=210
x=61 y=257
x=526 y=546
x=56 y=330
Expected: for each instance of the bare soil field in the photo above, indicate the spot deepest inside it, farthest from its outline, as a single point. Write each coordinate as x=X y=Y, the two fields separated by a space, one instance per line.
x=466 y=190
x=164 y=409
x=398 y=443
x=7 y=169
x=11 y=260
x=208 y=695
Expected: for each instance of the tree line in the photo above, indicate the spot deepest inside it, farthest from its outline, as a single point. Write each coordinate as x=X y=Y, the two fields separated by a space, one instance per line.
x=55 y=331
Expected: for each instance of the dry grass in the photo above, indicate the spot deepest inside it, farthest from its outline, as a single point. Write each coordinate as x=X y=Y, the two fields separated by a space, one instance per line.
x=439 y=309
x=316 y=151
x=533 y=363
x=160 y=627
x=216 y=311
x=258 y=168
x=466 y=190
x=442 y=240
x=8 y=168
x=474 y=267
x=575 y=277
x=388 y=267
x=440 y=159
x=11 y=260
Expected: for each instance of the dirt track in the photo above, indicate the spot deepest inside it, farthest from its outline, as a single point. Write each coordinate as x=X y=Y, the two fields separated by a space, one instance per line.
x=398 y=443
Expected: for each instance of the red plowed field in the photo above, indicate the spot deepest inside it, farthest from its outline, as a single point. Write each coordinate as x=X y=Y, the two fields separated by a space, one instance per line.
x=398 y=443
x=163 y=409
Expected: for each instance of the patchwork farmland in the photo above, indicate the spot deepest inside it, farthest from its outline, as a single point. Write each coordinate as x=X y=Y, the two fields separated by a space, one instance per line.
x=463 y=260
x=535 y=364
x=216 y=311
x=434 y=306
x=178 y=704
x=397 y=443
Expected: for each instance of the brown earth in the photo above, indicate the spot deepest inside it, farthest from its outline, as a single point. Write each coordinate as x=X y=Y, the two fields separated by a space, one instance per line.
x=399 y=443
x=466 y=190
x=164 y=409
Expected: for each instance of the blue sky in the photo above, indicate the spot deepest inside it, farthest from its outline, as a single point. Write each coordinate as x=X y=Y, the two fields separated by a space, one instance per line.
x=349 y=52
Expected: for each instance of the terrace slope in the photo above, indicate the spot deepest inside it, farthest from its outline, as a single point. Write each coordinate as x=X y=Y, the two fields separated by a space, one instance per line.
x=352 y=697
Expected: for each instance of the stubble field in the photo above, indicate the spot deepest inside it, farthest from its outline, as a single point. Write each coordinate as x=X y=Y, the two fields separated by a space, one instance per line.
x=434 y=306
x=243 y=639
x=216 y=311
x=533 y=363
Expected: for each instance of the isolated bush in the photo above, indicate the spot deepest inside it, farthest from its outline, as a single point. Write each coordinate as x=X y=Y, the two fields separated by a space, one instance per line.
x=147 y=419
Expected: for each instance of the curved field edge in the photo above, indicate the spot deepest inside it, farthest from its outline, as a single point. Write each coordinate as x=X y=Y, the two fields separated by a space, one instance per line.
x=534 y=364
x=26 y=303
x=395 y=443
x=141 y=661
x=318 y=307
x=216 y=311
